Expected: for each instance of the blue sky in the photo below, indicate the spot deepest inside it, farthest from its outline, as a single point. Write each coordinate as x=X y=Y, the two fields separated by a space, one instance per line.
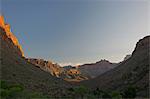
x=77 y=31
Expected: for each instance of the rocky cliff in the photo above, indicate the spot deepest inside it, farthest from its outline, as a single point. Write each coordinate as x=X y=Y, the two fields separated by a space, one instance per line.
x=9 y=35
x=48 y=66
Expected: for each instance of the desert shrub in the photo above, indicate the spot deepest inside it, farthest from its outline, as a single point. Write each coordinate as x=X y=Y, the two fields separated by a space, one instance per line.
x=4 y=93
x=116 y=95
x=130 y=92
x=36 y=95
x=98 y=93
x=106 y=95
x=91 y=96
x=16 y=87
x=15 y=91
x=81 y=91
x=3 y=84
x=9 y=90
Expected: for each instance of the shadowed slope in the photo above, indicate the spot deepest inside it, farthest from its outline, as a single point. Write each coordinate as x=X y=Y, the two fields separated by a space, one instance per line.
x=133 y=71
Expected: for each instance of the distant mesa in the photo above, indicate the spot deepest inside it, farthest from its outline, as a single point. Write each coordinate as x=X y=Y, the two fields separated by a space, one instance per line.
x=10 y=35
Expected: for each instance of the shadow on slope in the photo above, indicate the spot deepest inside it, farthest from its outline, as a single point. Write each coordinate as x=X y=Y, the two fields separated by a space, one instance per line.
x=134 y=71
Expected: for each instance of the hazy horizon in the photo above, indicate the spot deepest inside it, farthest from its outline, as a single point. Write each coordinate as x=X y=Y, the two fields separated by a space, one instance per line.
x=77 y=32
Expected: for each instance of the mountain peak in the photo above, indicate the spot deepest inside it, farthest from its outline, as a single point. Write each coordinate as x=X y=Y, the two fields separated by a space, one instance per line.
x=9 y=34
x=103 y=61
x=142 y=45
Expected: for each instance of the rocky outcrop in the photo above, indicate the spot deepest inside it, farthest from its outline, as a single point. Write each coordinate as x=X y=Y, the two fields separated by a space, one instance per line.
x=10 y=35
x=53 y=69
x=95 y=69
x=74 y=75
x=68 y=74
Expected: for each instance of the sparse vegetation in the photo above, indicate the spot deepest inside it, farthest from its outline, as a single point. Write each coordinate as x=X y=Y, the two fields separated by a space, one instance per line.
x=13 y=91
x=130 y=92
x=84 y=92
x=98 y=93
x=80 y=91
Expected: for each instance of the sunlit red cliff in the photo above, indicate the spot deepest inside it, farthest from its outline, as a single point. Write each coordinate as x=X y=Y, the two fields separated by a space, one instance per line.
x=10 y=35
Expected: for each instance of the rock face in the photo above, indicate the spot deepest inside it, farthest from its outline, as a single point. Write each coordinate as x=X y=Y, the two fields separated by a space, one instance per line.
x=10 y=35
x=73 y=74
x=53 y=69
x=134 y=71
x=142 y=46
x=96 y=69
x=68 y=74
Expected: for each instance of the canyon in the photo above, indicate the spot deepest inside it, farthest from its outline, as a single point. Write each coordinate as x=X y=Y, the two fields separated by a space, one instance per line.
x=55 y=81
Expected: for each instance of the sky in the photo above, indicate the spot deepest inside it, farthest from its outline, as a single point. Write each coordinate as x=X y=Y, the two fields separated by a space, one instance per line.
x=71 y=32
